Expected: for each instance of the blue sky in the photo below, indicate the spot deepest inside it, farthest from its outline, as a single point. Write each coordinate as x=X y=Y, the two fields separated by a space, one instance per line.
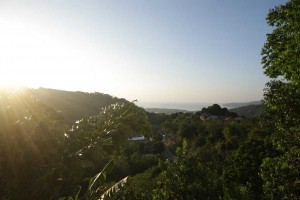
x=154 y=51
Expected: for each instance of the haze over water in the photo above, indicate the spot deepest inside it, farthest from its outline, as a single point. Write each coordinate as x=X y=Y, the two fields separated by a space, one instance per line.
x=170 y=105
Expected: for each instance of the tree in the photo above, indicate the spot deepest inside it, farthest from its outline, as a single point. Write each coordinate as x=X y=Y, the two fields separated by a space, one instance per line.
x=281 y=174
x=215 y=109
x=281 y=61
x=116 y=122
x=187 y=178
x=90 y=142
x=281 y=54
x=187 y=129
x=241 y=178
x=94 y=189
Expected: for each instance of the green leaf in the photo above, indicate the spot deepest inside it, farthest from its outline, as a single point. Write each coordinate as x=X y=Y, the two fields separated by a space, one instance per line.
x=102 y=175
x=114 y=189
x=77 y=194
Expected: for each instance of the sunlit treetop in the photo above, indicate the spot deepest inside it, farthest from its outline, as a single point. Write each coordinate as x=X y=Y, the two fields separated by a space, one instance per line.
x=281 y=52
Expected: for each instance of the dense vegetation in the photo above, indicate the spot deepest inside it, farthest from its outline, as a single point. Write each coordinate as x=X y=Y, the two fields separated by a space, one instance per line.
x=248 y=111
x=44 y=158
x=78 y=148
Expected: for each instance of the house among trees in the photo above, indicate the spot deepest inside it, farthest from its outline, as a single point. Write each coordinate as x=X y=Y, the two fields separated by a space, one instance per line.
x=216 y=117
x=216 y=112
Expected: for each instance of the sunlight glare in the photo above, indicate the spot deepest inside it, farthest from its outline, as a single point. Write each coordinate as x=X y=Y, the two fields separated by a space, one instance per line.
x=34 y=55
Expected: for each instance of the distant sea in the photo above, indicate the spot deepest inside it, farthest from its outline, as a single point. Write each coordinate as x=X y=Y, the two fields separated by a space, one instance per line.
x=180 y=106
x=194 y=106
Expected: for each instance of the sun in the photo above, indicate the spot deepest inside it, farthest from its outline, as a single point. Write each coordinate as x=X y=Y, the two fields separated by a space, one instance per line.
x=45 y=53
x=9 y=80
x=20 y=53
x=12 y=77
x=32 y=55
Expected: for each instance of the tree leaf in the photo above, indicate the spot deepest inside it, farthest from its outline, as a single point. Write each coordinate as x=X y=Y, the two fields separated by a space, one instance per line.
x=102 y=175
x=114 y=189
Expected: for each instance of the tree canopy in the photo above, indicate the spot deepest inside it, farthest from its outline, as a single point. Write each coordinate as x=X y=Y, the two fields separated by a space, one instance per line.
x=281 y=55
x=281 y=60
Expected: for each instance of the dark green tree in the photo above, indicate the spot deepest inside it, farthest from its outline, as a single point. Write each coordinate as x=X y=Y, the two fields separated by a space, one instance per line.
x=281 y=61
x=215 y=109
x=280 y=54
x=241 y=178
x=187 y=178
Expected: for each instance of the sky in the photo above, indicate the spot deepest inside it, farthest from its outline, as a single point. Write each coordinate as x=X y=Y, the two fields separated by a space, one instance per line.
x=195 y=51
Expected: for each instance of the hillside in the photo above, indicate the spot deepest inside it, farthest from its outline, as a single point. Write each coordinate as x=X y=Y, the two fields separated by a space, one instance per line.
x=74 y=105
x=241 y=104
x=248 y=111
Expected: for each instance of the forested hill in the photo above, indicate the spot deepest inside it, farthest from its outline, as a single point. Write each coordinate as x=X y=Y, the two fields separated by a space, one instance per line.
x=248 y=111
x=242 y=104
x=74 y=105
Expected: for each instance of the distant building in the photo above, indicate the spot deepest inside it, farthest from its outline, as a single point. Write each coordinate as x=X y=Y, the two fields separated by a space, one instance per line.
x=216 y=117
x=137 y=139
x=206 y=116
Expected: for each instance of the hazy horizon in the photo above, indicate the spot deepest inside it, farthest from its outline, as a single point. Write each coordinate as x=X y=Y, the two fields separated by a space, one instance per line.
x=181 y=105
x=153 y=51
x=188 y=106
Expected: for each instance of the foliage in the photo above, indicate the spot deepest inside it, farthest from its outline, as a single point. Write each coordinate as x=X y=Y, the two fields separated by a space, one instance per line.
x=241 y=178
x=118 y=122
x=186 y=178
x=281 y=175
x=158 y=147
x=29 y=147
x=91 y=141
x=187 y=129
x=281 y=50
x=248 y=111
x=139 y=186
x=32 y=134
x=212 y=160
x=94 y=190
x=157 y=118
x=282 y=114
x=215 y=109
x=282 y=102
x=114 y=189
x=101 y=175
